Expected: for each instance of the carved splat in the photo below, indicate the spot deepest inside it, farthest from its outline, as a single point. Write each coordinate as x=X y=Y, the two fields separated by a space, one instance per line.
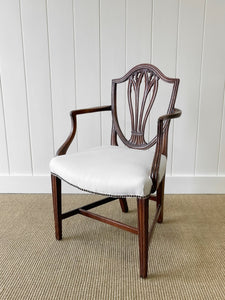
x=142 y=88
x=137 y=106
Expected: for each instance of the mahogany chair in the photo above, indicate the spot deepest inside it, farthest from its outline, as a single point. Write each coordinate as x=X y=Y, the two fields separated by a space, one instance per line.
x=136 y=169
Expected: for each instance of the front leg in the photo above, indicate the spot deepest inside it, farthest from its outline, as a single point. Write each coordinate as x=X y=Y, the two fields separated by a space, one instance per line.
x=57 y=205
x=143 y=215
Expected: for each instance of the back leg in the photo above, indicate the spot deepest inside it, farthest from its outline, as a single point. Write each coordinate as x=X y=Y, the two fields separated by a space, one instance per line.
x=123 y=204
x=160 y=199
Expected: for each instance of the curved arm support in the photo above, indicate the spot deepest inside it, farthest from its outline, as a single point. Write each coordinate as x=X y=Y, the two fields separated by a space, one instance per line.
x=160 y=144
x=73 y=114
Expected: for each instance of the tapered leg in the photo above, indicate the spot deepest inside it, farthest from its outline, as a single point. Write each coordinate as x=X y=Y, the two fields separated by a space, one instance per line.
x=57 y=206
x=143 y=205
x=160 y=199
x=123 y=204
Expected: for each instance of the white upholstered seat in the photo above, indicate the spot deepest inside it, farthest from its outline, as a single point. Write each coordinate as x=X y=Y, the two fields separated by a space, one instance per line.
x=109 y=170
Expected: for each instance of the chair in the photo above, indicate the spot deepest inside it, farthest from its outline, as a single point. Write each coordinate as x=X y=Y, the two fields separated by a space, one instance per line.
x=132 y=170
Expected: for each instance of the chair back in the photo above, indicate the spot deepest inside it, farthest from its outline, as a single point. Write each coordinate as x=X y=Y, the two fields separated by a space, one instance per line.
x=142 y=85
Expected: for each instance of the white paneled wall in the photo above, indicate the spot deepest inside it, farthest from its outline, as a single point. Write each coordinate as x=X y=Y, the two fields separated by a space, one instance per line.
x=58 y=55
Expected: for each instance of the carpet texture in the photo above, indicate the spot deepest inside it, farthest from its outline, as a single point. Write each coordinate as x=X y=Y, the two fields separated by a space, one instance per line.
x=98 y=261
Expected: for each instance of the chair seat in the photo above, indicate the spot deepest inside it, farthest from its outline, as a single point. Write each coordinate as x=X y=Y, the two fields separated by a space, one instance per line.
x=110 y=170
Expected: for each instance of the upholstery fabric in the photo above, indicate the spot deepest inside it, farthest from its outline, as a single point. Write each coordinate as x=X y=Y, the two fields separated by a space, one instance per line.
x=109 y=170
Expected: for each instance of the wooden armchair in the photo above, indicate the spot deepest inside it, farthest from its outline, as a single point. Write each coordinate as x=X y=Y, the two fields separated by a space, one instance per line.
x=117 y=172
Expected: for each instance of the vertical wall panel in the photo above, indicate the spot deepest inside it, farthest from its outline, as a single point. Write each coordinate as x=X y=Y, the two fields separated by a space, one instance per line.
x=61 y=49
x=138 y=32
x=189 y=72
x=33 y=15
x=212 y=89
x=14 y=88
x=87 y=70
x=4 y=166
x=221 y=163
x=165 y=25
x=138 y=38
x=113 y=48
x=164 y=48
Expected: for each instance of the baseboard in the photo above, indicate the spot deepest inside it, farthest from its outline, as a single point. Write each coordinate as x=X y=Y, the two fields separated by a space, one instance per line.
x=195 y=185
x=174 y=185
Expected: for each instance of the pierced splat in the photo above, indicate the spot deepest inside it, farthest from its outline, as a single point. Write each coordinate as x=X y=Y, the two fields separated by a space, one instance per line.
x=140 y=108
x=142 y=88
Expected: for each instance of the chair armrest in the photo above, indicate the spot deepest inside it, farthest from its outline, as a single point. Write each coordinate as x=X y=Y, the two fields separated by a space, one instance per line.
x=73 y=114
x=159 y=144
x=90 y=110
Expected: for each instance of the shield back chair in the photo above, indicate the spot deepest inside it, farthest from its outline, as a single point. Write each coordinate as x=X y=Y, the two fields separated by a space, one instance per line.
x=135 y=169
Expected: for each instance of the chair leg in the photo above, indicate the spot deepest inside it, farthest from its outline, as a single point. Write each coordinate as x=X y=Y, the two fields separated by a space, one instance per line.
x=123 y=204
x=143 y=205
x=57 y=206
x=160 y=199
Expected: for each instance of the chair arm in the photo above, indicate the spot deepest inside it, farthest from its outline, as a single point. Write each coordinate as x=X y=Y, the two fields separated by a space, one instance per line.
x=159 y=144
x=73 y=114
x=90 y=110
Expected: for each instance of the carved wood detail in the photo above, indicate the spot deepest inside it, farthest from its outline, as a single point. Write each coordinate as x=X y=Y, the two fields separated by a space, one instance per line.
x=140 y=107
